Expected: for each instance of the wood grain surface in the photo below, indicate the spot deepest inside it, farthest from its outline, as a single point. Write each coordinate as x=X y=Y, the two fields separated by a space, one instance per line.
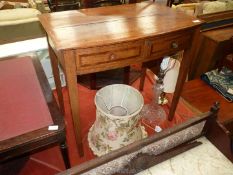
x=98 y=26
x=97 y=39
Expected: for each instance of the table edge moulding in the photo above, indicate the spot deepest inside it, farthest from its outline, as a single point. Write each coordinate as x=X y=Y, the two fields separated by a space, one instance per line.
x=97 y=39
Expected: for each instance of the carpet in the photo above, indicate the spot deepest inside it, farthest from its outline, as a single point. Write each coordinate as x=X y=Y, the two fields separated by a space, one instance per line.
x=51 y=159
x=88 y=110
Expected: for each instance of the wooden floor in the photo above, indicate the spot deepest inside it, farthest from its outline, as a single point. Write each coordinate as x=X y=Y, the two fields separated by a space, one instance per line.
x=202 y=96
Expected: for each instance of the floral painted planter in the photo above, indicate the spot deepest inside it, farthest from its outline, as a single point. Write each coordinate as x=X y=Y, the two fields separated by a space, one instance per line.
x=117 y=115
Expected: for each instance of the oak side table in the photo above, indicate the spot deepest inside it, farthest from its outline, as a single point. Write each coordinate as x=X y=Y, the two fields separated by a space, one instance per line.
x=97 y=39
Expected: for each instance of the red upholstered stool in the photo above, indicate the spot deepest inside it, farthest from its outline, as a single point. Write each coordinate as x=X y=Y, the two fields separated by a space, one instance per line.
x=27 y=110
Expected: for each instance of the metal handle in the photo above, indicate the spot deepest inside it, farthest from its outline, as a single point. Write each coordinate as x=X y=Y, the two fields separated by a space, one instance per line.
x=174 y=45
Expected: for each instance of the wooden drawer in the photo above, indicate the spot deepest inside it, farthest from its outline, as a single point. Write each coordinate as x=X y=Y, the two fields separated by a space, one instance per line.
x=112 y=56
x=168 y=44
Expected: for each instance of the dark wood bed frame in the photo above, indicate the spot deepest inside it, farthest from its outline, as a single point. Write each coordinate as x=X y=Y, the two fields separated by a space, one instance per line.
x=150 y=151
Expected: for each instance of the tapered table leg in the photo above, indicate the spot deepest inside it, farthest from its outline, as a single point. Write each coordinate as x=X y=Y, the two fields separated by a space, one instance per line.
x=126 y=78
x=189 y=55
x=71 y=81
x=65 y=155
x=56 y=74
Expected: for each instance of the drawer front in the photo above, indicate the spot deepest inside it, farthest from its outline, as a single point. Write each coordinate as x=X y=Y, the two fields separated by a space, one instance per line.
x=169 y=44
x=106 y=57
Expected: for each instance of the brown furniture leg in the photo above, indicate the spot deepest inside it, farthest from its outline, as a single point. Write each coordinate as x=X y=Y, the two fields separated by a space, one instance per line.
x=71 y=81
x=143 y=76
x=227 y=48
x=93 y=81
x=63 y=148
x=155 y=65
x=126 y=75
x=56 y=74
x=180 y=81
x=185 y=65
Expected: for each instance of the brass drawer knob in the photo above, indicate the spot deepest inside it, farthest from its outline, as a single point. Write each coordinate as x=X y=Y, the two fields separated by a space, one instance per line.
x=112 y=56
x=174 y=45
